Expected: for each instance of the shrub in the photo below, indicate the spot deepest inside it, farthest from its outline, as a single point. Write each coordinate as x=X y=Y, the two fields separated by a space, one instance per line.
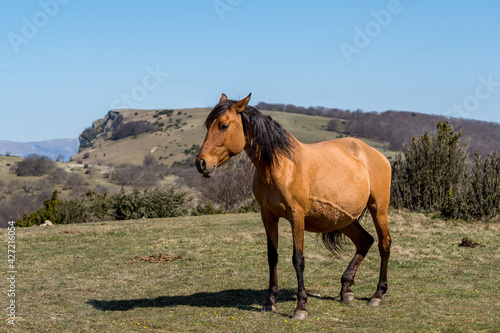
x=33 y=165
x=51 y=210
x=166 y=112
x=93 y=207
x=13 y=208
x=88 y=136
x=229 y=188
x=74 y=180
x=58 y=176
x=131 y=128
x=483 y=196
x=147 y=175
x=432 y=172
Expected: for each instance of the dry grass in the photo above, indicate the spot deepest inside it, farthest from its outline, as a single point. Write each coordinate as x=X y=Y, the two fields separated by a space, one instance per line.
x=74 y=278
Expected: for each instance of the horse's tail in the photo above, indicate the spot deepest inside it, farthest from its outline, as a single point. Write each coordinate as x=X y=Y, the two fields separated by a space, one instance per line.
x=334 y=240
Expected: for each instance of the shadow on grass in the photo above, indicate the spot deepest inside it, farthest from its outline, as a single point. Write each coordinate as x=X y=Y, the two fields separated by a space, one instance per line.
x=244 y=299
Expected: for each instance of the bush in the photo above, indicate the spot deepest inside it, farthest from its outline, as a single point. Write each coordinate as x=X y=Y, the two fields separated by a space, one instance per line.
x=229 y=188
x=432 y=172
x=166 y=112
x=88 y=136
x=435 y=174
x=33 y=165
x=13 y=208
x=94 y=207
x=483 y=196
x=131 y=128
x=153 y=203
x=147 y=175
x=51 y=210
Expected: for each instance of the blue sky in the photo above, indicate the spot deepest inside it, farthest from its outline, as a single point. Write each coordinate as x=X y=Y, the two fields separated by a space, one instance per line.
x=65 y=63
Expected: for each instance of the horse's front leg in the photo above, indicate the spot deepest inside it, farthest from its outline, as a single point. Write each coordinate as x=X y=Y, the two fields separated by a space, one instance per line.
x=299 y=265
x=271 y=225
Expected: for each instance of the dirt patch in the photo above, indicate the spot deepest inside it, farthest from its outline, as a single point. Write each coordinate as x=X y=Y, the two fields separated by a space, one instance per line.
x=466 y=242
x=160 y=258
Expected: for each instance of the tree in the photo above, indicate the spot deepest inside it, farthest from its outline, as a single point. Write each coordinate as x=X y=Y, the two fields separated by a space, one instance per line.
x=33 y=165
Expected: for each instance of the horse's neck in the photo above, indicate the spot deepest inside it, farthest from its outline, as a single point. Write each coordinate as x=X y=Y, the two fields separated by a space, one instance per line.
x=266 y=174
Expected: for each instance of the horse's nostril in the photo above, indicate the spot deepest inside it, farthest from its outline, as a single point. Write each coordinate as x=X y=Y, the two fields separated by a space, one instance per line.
x=201 y=165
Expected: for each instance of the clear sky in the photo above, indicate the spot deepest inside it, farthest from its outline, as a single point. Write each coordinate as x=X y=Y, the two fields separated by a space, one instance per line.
x=65 y=63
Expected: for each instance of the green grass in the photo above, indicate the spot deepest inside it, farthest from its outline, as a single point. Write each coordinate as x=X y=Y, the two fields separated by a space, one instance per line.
x=74 y=278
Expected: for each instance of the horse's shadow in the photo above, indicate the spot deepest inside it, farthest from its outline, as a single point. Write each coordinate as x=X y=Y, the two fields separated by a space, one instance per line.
x=245 y=299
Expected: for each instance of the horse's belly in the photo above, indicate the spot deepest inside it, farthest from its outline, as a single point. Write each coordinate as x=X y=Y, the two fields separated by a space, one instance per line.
x=324 y=216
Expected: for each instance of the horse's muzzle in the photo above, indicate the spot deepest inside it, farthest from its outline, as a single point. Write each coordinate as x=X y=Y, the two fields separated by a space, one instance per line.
x=201 y=165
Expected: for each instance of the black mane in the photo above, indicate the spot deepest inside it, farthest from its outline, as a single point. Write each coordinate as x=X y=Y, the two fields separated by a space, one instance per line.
x=267 y=138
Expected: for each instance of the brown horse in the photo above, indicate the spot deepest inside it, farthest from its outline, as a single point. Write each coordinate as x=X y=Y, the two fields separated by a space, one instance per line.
x=322 y=187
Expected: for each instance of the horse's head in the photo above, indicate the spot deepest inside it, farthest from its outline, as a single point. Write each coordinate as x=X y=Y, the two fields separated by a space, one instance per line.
x=225 y=136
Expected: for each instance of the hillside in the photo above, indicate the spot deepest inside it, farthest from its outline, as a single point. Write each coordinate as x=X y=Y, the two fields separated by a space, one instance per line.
x=54 y=149
x=179 y=132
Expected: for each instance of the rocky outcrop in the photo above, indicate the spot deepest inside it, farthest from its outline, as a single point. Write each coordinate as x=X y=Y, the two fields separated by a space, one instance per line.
x=101 y=128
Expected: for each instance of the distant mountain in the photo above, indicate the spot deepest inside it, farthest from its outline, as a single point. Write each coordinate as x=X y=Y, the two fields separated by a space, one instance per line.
x=51 y=148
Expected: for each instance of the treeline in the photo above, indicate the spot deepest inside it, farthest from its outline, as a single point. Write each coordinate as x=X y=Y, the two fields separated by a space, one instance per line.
x=397 y=127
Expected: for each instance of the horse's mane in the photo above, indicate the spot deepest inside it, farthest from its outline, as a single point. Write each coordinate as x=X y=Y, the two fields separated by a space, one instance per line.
x=267 y=138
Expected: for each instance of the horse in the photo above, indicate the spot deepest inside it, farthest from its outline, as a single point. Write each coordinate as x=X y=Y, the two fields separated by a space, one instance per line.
x=323 y=187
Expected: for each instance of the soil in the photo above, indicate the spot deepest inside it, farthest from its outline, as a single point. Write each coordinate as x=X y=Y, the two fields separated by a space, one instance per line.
x=160 y=258
x=466 y=242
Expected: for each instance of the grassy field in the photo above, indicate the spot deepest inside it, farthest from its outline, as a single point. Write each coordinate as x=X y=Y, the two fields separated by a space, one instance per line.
x=78 y=278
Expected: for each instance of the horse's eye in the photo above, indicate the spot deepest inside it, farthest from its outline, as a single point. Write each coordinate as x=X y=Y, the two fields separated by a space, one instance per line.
x=224 y=127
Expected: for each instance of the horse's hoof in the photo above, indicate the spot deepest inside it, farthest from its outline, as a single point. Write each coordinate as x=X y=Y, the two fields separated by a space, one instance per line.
x=268 y=308
x=375 y=302
x=347 y=298
x=300 y=315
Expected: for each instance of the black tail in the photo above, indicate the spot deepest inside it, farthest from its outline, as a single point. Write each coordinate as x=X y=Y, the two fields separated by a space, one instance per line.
x=334 y=240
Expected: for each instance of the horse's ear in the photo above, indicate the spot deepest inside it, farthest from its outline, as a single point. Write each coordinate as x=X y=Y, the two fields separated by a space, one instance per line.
x=223 y=97
x=241 y=105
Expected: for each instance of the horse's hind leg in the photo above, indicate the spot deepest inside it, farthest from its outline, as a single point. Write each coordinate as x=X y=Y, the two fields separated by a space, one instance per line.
x=363 y=241
x=379 y=215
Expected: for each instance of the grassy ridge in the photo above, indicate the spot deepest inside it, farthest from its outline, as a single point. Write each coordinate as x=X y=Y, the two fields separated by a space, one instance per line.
x=168 y=146
x=77 y=276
